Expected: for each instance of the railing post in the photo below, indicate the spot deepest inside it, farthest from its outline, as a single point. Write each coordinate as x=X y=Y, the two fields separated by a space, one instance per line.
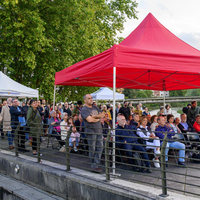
x=163 y=167
x=38 y=147
x=107 y=156
x=67 y=149
x=16 y=139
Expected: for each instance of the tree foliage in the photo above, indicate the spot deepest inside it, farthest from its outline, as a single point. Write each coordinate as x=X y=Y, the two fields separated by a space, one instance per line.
x=134 y=93
x=177 y=93
x=40 y=37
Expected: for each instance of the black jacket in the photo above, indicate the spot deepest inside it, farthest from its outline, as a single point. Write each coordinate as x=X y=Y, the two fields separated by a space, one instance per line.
x=125 y=111
x=190 y=128
x=14 y=115
x=68 y=111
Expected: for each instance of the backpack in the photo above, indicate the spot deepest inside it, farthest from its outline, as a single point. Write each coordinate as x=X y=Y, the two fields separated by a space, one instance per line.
x=196 y=157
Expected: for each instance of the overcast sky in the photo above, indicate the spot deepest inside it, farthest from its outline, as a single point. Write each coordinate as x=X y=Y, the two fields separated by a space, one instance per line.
x=181 y=17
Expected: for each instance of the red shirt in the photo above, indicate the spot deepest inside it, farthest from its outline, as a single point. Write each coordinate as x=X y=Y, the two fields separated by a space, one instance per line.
x=196 y=126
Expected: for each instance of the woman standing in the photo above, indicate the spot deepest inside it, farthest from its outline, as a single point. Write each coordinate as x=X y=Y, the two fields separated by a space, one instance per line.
x=34 y=120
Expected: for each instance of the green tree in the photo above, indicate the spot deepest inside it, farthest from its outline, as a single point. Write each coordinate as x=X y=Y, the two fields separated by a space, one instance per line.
x=134 y=93
x=40 y=37
x=177 y=93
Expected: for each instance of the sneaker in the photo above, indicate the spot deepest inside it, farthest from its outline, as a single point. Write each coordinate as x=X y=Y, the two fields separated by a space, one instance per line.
x=157 y=152
x=156 y=163
x=75 y=149
x=96 y=169
x=182 y=164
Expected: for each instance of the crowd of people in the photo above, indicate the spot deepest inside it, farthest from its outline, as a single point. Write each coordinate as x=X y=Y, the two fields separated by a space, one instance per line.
x=90 y=124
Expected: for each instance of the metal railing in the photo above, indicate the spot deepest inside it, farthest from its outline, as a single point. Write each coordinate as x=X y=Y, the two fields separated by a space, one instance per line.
x=176 y=177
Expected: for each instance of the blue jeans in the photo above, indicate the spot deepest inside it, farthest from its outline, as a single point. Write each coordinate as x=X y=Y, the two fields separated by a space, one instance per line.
x=177 y=145
x=137 y=148
x=10 y=138
x=70 y=142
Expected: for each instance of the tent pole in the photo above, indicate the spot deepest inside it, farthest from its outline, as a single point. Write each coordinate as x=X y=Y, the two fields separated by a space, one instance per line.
x=164 y=88
x=114 y=88
x=164 y=98
x=54 y=96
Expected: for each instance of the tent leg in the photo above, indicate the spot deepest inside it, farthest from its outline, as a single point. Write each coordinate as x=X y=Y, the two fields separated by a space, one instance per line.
x=164 y=98
x=114 y=88
x=54 y=96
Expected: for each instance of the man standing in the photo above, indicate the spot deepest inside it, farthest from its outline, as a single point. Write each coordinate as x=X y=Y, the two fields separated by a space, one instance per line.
x=125 y=110
x=91 y=116
x=192 y=112
x=67 y=110
x=138 y=110
x=16 y=116
x=185 y=109
x=6 y=117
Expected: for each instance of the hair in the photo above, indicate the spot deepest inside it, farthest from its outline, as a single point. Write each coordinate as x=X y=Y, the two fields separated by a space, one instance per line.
x=193 y=101
x=159 y=118
x=169 y=116
x=84 y=97
x=189 y=104
x=166 y=106
x=119 y=115
x=13 y=99
x=135 y=114
x=161 y=107
x=153 y=117
x=69 y=119
x=74 y=115
x=142 y=119
x=62 y=116
x=32 y=100
x=182 y=114
x=53 y=111
x=125 y=102
x=197 y=115
x=129 y=117
x=137 y=104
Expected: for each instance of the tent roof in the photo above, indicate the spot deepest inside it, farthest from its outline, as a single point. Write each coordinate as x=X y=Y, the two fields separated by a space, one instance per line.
x=105 y=93
x=151 y=57
x=11 y=88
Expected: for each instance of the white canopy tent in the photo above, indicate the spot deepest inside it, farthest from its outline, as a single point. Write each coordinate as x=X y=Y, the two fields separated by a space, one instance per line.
x=11 y=88
x=105 y=93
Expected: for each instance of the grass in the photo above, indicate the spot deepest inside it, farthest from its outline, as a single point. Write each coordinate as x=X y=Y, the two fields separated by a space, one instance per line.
x=179 y=111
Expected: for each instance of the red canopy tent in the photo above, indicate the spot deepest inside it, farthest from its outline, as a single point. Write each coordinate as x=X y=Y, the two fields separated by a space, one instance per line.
x=151 y=58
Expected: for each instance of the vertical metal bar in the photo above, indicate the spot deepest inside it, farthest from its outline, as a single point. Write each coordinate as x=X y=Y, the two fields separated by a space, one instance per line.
x=114 y=89
x=163 y=168
x=164 y=89
x=67 y=149
x=16 y=140
x=54 y=96
x=38 y=148
x=107 y=156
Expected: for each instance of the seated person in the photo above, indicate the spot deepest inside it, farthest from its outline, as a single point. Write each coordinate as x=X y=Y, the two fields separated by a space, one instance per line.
x=171 y=124
x=127 y=140
x=196 y=124
x=136 y=120
x=63 y=126
x=185 y=126
x=54 y=127
x=160 y=132
x=151 y=141
x=154 y=122
x=149 y=122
